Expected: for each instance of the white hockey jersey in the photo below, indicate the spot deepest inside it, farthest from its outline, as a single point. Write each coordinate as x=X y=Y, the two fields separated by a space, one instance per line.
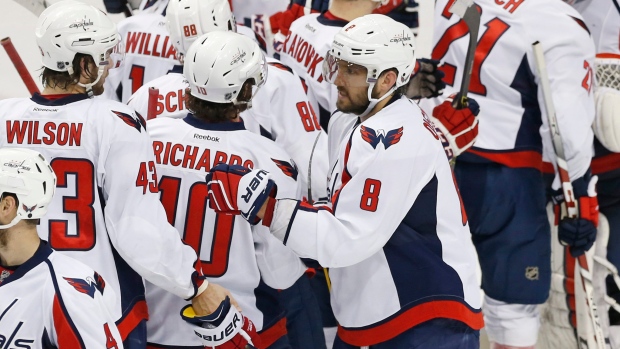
x=304 y=50
x=53 y=301
x=234 y=254
x=280 y=111
x=106 y=212
x=504 y=80
x=396 y=238
x=149 y=55
x=245 y=9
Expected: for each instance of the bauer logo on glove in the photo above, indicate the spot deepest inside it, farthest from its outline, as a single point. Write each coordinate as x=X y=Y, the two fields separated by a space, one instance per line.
x=235 y=189
x=226 y=328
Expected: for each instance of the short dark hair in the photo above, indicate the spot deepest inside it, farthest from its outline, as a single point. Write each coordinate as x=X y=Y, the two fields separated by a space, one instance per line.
x=53 y=78
x=218 y=112
x=28 y=221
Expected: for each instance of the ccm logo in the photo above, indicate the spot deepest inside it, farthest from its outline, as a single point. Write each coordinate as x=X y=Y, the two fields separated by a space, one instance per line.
x=251 y=188
x=226 y=332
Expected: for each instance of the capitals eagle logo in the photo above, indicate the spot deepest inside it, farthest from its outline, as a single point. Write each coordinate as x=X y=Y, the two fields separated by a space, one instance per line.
x=380 y=136
x=129 y=120
x=88 y=285
x=289 y=168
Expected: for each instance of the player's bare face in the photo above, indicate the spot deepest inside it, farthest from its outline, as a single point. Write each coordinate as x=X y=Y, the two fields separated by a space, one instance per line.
x=352 y=88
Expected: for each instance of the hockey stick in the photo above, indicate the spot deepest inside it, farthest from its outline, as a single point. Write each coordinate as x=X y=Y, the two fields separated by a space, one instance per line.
x=466 y=9
x=19 y=66
x=152 y=103
x=567 y=189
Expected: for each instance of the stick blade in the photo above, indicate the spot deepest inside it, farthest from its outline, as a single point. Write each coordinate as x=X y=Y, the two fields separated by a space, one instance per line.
x=459 y=7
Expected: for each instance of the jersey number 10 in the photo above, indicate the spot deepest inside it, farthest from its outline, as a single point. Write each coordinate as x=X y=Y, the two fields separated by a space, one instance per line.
x=169 y=188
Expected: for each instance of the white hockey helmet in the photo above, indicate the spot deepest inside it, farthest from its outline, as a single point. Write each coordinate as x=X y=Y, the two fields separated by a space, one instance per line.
x=377 y=43
x=186 y=20
x=219 y=63
x=69 y=27
x=26 y=173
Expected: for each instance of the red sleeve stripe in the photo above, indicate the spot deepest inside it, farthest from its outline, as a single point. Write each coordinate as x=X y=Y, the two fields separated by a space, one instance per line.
x=270 y=335
x=605 y=163
x=68 y=337
x=66 y=332
x=410 y=318
x=132 y=318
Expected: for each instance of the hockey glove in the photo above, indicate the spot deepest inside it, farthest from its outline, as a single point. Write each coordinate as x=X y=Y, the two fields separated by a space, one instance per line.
x=579 y=233
x=226 y=328
x=426 y=81
x=459 y=126
x=235 y=189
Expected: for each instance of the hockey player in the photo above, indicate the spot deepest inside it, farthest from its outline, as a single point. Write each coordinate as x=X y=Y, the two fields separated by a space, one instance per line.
x=46 y=299
x=224 y=73
x=149 y=52
x=500 y=177
x=272 y=29
x=280 y=111
x=395 y=216
x=308 y=41
x=107 y=213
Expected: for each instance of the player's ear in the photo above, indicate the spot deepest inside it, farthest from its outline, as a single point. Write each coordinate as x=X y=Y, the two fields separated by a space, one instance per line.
x=8 y=204
x=385 y=82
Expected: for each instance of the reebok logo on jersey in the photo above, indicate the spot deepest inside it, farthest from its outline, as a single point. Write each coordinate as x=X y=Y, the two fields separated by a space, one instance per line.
x=129 y=120
x=45 y=109
x=288 y=168
x=206 y=137
x=380 y=136
x=89 y=285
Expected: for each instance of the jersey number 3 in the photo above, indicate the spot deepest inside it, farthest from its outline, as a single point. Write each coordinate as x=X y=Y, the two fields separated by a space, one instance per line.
x=495 y=28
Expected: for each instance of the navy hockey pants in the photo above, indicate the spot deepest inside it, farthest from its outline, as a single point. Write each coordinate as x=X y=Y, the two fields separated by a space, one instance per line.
x=433 y=334
x=506 y=208
x=303 y=316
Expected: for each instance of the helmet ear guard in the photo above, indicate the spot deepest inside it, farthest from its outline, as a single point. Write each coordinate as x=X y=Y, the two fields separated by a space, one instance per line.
x=29 y=176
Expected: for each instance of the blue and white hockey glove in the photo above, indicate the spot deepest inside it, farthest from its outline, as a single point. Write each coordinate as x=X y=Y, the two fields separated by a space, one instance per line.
x=235 y=189
x=226 y=328
x=579 y=233
x=426 y=81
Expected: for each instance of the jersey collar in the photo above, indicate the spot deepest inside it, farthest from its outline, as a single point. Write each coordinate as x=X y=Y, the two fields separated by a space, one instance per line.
x=39 y=99
x=39 y=257
x=327 y=18
x=176 y=69
x=214 y=126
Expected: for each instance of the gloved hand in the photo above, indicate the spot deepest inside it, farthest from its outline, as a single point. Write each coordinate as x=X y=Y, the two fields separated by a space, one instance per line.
x=226 y=328
x=579 y=233
x=426 y=81
x=235 y=189
x=459 y=126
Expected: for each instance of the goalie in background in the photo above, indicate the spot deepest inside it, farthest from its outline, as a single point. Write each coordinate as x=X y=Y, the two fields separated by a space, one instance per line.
x=602 y=18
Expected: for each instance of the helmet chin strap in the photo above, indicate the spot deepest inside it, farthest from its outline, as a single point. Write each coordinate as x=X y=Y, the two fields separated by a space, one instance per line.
x=374 y=101
x=89 y=87
x=12 y=223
